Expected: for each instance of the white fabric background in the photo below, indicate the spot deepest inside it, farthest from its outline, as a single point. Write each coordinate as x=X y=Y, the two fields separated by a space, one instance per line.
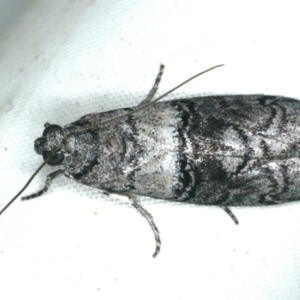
x=66 y=58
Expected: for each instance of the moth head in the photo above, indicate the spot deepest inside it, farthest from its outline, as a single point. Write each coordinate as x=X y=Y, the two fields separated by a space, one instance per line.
x=51 y=141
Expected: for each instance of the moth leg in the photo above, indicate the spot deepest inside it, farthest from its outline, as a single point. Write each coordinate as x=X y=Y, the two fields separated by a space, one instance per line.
x=150 y=220
x=131 y=198
x=49 y=179
x=154 y=88
x=230 y=213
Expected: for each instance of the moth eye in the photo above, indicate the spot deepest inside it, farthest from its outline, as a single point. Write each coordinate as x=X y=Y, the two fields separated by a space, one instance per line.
x=51 y=128
x=55 y=160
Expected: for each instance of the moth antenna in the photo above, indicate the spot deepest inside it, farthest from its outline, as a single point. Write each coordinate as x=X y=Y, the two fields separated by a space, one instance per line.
x=160 y=97
x=27 y=183
x=150 y=103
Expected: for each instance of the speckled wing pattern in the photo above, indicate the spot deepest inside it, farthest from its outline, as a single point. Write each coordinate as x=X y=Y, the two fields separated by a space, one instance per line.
x=233 y=150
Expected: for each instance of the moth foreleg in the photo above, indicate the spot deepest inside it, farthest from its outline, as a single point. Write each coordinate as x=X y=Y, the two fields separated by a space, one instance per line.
x=48 y=182
x=230 y=213
x=154 y=88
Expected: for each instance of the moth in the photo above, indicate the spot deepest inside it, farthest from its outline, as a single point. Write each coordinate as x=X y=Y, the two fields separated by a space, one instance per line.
x=224 y=150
